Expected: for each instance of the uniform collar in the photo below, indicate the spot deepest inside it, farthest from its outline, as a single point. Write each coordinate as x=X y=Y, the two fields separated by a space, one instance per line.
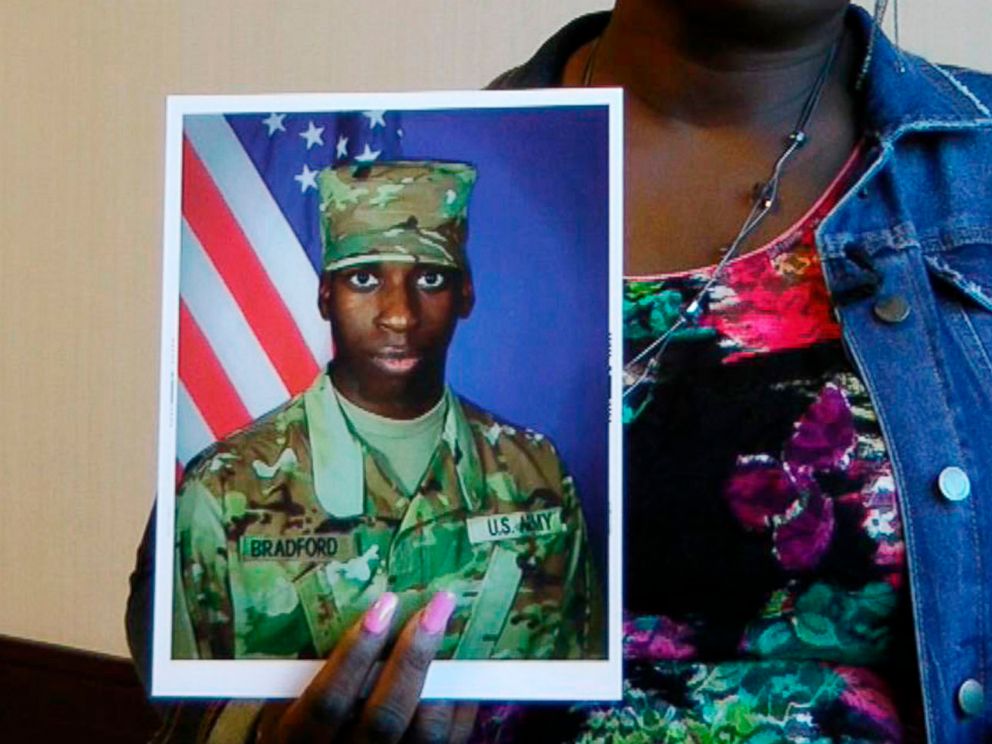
x=338 y=456
x=903 y=92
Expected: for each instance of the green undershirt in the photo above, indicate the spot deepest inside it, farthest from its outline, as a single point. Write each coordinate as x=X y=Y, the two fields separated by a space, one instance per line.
x=405 y=445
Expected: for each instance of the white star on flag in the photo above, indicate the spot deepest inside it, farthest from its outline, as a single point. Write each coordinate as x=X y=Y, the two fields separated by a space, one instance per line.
x=375 y=118
x=313 y=135
x=274 y=123
x=368 y=154
x=342 y=147
x=307 y=179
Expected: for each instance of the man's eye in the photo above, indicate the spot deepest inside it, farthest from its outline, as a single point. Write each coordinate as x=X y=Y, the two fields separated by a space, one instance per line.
x=363 y=280
x=431 y=280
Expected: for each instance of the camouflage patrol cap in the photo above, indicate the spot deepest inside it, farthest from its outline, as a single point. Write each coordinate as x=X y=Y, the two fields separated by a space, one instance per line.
x=413 y=211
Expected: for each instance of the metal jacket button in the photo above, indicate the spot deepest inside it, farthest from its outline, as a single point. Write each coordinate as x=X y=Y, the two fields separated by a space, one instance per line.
x=891 y=309
x=971 y=697
x=953 y=484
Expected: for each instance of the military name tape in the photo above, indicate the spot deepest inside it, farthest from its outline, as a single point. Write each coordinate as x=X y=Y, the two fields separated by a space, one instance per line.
x=514 y=525
x=313 y=548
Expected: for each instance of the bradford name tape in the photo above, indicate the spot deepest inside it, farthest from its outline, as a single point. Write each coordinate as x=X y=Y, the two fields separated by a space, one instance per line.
x=316 y=548
x=512 y=526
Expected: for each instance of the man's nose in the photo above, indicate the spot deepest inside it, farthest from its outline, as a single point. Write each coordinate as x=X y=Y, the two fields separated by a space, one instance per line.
x=398 y=311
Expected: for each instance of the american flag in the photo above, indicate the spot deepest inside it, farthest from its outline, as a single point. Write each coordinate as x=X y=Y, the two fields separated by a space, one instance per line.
x=250 y=336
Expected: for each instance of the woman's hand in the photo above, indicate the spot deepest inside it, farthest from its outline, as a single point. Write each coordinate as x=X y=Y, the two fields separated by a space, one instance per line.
x=330 y=709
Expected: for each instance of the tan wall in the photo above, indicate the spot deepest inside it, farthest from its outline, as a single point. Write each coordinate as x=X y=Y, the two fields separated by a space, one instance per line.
x=81 y=131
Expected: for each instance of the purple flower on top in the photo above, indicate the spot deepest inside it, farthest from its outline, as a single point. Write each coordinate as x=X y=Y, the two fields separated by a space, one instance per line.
x=783 y=495
x=657 y=638
x=760 y=490
x=802 y=539
x=824 y=436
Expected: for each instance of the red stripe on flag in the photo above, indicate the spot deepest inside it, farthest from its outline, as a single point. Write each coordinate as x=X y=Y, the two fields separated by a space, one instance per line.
x=232 y=254
x=205 y=379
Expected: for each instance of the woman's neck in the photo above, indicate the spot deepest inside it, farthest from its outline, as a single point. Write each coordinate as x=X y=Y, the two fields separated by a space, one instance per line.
x=712 y=94
x=718 y=66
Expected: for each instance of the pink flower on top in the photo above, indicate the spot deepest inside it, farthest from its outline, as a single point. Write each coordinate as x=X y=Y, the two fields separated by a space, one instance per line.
x=867 y=694
x=656 y=638
x=772 y=309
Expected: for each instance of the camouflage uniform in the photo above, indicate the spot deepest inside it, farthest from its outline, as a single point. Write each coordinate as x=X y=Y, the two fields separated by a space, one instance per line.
x=286 y=532
x=280 y=547
x=401 y=211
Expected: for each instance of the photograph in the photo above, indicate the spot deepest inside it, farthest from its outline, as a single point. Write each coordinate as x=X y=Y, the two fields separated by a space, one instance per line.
x=390 y=386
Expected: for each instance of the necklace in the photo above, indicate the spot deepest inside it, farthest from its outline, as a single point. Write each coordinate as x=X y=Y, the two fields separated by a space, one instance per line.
x=766 y=197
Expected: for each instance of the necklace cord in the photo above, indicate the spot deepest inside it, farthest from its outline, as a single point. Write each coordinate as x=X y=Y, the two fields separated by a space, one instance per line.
x=762 y=206
x=590 y=63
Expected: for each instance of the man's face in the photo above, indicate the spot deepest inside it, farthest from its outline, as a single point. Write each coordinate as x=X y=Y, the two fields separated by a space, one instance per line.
x=392 y=324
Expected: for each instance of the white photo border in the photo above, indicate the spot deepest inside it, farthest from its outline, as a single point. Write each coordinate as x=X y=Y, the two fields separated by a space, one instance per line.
x=449 y=679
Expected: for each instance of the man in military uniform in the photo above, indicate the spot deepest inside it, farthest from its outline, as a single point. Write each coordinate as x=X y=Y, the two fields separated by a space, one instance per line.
x=378 y=478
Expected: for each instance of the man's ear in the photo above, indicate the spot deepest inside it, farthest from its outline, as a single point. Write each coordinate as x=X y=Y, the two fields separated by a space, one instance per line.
x=466 y=296
x=324 y=293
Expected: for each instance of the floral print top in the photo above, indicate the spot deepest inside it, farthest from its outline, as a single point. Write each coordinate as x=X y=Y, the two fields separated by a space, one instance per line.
x=765 y=589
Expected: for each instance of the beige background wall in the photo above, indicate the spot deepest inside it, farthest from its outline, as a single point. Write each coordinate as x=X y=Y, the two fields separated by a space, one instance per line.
x=81 y=131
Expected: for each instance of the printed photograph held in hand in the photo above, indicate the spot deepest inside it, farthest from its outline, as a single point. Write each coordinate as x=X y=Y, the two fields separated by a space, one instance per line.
x=388 y=387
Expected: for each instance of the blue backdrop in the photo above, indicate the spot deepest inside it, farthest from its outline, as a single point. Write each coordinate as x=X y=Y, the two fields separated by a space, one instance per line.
x=535 y=350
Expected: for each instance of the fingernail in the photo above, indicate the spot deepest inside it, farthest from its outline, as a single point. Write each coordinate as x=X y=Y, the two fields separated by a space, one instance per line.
x=436 y=613
x=379 y=615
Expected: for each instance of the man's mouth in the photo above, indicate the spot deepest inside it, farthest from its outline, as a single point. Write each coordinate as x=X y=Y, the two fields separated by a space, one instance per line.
x=396 y=361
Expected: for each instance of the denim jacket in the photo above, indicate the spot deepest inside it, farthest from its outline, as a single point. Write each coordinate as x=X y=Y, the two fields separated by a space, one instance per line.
x=907 y=256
